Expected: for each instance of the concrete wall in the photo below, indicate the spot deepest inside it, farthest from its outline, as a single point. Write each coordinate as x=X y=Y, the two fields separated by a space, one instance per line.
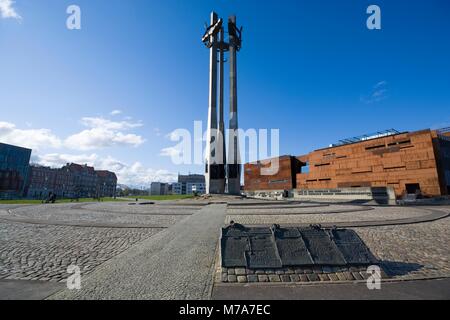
x=267 y=194
x=378 y=195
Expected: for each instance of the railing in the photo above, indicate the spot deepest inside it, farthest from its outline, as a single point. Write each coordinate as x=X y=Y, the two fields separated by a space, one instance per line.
x=441 y=133
x=365 y=137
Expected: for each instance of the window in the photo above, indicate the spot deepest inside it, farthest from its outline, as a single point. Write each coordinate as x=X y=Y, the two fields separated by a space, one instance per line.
x=278 y=181
x=305 y=168
x=322 y=164
x=412 y=188
x=399 y=143
x=376 y=147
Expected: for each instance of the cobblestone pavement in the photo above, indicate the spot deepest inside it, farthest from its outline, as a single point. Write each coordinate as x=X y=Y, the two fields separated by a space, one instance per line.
x=406 y=251
x=313 y=274
x=121 y=213
x=177 y=263
x=321 y=215
x=411 y=251
x=43 y=252
x=127 y=208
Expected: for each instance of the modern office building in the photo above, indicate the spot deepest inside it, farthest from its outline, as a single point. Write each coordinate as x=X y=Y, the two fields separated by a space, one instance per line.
x=177 y=188
x=405 y=162
x=14 y=170
x=159 y=189
x=188 y=184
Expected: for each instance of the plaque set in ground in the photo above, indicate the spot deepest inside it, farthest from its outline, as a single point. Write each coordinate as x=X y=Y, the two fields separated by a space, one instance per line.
x=292 y=254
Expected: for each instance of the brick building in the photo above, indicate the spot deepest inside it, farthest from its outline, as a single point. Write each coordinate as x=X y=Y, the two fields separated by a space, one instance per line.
x=84 y=180
x=71 y=181
x=106 y=183
x=42 y=182
x=14 y=169
x=409 y=162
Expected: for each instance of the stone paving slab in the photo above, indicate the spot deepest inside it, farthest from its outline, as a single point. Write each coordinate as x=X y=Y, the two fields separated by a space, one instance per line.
x=27 y=290
x=402 y=290
x=294 y=275
x=177 y=263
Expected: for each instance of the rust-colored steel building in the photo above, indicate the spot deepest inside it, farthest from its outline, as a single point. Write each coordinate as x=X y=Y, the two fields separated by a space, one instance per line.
x=409 y=162
x=284 y=178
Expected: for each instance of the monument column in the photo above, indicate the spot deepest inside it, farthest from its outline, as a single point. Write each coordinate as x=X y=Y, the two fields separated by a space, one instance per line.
x=211 y=170
x=234 y=165
x=221 y=151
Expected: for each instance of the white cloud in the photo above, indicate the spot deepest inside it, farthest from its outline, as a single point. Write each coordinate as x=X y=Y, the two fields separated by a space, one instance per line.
x=134 y=174
x=108 y=124
x=101 y=133
x=57 y=160
x=116 y=112
x=377 y=94
x=137 y=174
x=101 y=138
x=104 y=133
x=7 y=10
x=380 y=84
x=28 y=138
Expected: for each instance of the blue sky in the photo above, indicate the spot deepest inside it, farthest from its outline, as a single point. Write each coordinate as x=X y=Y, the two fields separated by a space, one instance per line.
x=309 y=68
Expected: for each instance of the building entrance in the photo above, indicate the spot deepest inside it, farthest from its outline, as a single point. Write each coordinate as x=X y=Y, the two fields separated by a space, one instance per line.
x=412 y=188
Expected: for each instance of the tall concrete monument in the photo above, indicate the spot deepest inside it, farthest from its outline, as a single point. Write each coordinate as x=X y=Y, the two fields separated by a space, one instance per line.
x=234 y=161
x=216 y=156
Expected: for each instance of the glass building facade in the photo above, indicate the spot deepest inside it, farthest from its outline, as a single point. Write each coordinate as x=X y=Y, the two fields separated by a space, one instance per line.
x=14 y=170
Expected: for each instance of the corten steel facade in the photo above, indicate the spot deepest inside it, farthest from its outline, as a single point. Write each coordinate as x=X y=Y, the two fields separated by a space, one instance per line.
x=14 y=168
x=408 y=162
x=284 y=179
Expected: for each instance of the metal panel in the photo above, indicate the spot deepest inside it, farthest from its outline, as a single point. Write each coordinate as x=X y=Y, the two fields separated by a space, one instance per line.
x=292 y=248
x=259 y=248
x=234 y=244
x=352 y=248
x=322 y=250
x=263 y=252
